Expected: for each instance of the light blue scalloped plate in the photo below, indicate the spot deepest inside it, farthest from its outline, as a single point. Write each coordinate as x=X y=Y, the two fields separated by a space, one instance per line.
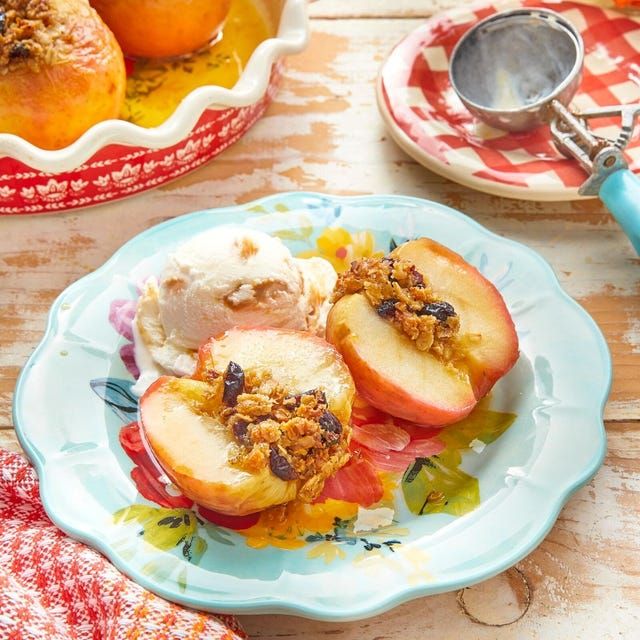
x=557 y=389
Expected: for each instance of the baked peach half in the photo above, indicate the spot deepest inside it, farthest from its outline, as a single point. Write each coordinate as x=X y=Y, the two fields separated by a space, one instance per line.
x=265 y=420
x=472 y=343
x=297 y=360
x=163 y=28
x=62 y=71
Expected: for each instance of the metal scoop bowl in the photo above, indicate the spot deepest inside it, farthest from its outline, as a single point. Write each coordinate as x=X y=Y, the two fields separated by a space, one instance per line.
x=518 y=69
x=511 y=65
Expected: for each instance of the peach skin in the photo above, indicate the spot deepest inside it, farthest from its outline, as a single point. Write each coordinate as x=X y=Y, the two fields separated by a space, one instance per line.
x=163 y=28
x=393 y=375
x=66 y=71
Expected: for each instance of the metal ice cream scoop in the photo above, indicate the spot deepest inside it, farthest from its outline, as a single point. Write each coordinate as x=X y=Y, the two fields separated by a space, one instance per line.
x=518 y=69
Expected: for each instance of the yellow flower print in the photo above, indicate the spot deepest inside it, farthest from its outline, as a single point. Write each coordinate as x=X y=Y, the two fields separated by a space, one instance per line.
x=372 y=556
x=326 y=550
x=406 y=561
x=391 y=531
x=286 y=531
x=162 y=528
x=340 y=247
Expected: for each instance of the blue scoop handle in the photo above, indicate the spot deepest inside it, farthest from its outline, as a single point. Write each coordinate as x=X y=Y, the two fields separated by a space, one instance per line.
x=621 y=193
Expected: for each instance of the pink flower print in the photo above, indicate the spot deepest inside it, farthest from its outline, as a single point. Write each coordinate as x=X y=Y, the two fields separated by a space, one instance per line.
x=121 y=314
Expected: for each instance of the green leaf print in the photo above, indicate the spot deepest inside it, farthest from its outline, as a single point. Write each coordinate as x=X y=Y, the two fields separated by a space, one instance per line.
x=218 y=534
x=194 y=548
x=437 y=484
x=162 y=528
x=482 y=424
x=182 y=579
x=160 y=568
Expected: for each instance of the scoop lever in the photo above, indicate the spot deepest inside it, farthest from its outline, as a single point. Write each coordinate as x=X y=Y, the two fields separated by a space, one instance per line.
x=603 y=160
x=598 y=156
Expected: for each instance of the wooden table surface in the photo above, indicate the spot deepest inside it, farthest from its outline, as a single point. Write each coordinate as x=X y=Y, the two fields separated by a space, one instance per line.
x=324 y=133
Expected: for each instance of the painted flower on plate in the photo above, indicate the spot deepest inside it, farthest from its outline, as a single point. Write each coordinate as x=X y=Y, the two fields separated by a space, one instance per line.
x=340 y=247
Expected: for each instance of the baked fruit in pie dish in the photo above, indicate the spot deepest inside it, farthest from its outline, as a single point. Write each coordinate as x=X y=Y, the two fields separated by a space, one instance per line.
x=61 y=148
x=163 y=28
x=62 y=71
x=423 y=333
x=264 y=420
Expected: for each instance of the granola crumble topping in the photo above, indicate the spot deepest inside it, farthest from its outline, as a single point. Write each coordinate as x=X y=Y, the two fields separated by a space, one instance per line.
x=400 y=294
x=296 y=435
x=30 y=36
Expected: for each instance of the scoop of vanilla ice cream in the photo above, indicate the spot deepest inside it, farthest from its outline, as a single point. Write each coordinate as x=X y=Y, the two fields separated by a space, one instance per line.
x=226 y=277
x=229 y=277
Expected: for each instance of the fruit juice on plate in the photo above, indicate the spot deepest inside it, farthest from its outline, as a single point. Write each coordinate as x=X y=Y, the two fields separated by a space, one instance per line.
x=156 y=87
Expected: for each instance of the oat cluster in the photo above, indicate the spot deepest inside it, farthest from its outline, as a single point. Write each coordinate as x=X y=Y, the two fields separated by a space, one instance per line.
x=29 y=35
x=401 y=294
x=295 y=435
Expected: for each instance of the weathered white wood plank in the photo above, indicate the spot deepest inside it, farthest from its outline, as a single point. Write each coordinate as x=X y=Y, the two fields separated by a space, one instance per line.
x=379 y=8
x=407 y=8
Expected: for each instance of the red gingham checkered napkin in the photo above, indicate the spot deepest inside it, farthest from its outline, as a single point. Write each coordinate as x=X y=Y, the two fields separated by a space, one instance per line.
x=420 y=101
x=54 y=588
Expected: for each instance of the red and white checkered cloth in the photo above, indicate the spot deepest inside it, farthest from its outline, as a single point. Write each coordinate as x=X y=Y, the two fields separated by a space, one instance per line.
x=54 y=588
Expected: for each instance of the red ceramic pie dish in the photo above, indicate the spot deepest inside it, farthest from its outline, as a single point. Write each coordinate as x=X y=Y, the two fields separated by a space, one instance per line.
x=116 y=158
